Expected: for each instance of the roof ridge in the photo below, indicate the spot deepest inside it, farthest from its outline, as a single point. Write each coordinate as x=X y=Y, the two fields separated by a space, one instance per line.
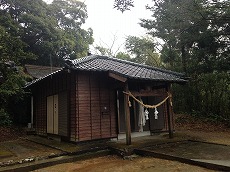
x=83 y=59
x=91 y=57
x=147 y=66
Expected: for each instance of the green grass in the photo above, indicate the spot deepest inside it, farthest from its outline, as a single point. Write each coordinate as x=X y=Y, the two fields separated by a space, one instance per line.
x=4 y=152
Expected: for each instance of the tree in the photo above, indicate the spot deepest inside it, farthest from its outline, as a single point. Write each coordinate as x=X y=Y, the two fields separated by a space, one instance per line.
x=12 y=78
x=123 y=56
x=70 y=16
x=196 y=42
x=51 y=31
x=12 y=48
x=193 y=31
x=190 y=28
x=196 y=37
x=123 y=5
x=32 y=30
x=105 y=49
x=143 y=50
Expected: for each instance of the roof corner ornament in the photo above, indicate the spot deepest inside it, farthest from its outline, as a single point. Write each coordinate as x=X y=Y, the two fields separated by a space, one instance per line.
x=69 y=63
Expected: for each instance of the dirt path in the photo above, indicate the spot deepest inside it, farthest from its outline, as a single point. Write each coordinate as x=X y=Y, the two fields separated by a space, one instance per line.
x=187 y=125
x=116 y=164
x=220 y=137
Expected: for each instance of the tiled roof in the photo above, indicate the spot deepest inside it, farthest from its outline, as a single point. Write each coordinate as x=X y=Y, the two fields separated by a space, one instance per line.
x=120 y=67
x=39 y=79
x=126 y=69
x=40 y=71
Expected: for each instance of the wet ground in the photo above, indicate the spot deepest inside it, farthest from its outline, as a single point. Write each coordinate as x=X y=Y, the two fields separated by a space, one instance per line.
x=17 y=150
x=25 y=148
x=193 y=150
x=116 y=164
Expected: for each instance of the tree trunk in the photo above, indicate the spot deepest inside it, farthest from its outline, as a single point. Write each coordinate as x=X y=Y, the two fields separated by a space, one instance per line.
x=183 y=59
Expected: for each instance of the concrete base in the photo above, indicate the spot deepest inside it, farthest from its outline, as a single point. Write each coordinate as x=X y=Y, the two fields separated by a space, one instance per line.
x=134 y=134
x=52 y=161
x=219 y=165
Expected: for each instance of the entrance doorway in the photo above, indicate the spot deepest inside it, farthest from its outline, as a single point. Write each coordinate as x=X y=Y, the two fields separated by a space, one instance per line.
x=52 y=114
x=152 y=125
x=57 y=114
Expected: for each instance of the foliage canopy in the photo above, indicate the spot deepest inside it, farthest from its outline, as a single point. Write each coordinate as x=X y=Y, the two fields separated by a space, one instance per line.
x=196 y=36
x=47 y=30
x=37 y=33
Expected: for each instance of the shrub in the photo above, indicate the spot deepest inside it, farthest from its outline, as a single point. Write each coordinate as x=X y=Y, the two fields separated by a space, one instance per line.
x=5 y=119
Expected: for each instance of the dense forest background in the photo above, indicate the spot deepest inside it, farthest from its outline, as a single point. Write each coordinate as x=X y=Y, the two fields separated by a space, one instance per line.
x=191 y=37
x=33 y=32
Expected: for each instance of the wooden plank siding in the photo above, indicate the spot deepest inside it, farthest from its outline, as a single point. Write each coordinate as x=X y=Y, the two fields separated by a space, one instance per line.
x=91 y=105
x=50 y=86
x=73 y=106
x=63 y=114
x=84 y=107
x=93 y=94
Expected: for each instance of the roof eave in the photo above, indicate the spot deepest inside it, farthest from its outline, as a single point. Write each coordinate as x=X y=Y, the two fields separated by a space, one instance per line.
x=34 y=82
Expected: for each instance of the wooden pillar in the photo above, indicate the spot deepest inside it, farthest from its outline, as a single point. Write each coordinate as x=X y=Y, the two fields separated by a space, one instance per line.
x=127 y=116
x=169 y=112
x=32 y=112
x=135 y=114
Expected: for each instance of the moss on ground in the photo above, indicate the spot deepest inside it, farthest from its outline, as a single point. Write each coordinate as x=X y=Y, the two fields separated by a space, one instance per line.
x=4 y=153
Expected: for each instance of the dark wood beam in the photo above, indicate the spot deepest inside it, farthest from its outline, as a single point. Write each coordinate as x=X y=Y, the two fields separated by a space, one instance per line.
x=149 y=94
x=117 y=77
x=127 y=116
x=169 y=112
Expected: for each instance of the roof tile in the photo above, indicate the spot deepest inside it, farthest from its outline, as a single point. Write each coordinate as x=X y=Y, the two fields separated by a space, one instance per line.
x=123 y=68
x=126 y=68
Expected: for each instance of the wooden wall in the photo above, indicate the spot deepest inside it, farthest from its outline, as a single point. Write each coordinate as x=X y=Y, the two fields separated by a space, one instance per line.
x=91 y=104
x=63 y=119
x=95 y=108
x=50 y=86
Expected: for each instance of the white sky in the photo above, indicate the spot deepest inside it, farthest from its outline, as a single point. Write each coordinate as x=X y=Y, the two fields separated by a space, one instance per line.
x=110 y=25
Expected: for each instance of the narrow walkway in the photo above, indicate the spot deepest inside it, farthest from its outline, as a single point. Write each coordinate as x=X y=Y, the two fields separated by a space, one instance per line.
x=23 y=154
x=204 y=154
x=218 y=162
x=67 y=147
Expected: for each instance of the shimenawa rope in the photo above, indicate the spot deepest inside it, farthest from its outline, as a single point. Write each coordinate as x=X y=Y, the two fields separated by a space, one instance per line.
x=149 y=106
